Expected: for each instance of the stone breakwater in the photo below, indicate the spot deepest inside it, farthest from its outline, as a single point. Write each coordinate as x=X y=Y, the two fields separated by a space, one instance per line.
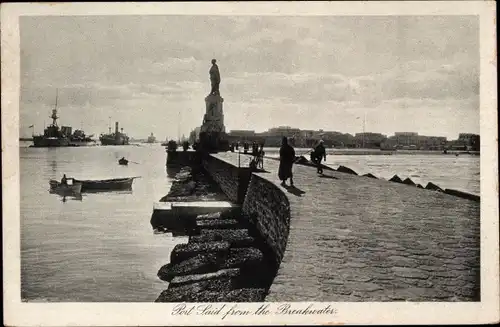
x=226 y=258
x=336 y=237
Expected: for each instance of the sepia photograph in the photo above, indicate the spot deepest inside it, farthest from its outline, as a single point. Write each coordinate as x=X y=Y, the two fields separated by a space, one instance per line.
x=249 y=164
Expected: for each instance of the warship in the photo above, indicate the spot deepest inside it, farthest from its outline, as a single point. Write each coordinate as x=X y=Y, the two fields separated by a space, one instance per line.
x=53 y=136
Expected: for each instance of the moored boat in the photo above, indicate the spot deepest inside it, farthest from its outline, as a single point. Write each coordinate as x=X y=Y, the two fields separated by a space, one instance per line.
x=65 y=189
x=106 y=184
x=123 y=162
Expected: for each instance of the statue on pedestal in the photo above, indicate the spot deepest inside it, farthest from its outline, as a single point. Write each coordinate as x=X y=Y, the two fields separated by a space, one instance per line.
x=214 y=78
x=212 y=131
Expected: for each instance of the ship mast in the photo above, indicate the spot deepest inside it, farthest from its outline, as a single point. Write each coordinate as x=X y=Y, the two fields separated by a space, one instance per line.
x=54 y=112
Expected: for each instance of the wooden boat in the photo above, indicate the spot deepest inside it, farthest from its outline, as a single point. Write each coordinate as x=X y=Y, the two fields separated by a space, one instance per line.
x=106 y=184
x=123 y=162
x=65 y=189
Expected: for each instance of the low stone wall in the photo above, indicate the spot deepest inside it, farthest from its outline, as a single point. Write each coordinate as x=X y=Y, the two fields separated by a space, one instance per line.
x=267 y=208
x=264 y=206
x=231 y=179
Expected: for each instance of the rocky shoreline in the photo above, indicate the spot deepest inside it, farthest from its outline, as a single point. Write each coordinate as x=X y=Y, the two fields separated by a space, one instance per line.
x=223 y=261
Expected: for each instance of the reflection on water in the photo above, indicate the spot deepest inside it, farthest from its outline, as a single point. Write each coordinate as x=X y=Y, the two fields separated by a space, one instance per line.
x=96 y=246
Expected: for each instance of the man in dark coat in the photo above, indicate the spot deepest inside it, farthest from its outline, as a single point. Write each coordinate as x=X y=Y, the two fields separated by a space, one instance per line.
x=287 y=157
x=318 y=154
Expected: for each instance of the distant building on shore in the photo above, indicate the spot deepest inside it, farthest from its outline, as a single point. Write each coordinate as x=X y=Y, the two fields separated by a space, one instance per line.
x=369 y=140
x=308 y=138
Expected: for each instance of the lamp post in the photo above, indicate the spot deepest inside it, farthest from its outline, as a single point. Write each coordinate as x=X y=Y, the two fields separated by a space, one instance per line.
x=364 y=128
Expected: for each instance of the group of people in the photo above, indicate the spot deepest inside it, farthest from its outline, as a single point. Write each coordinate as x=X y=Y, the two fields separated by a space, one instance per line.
x=287 y=159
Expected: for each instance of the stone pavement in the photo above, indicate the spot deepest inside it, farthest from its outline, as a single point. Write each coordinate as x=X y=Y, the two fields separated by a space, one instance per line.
x=355 y=238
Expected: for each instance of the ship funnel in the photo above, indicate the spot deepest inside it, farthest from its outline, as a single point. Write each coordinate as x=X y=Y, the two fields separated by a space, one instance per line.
x=116 y=127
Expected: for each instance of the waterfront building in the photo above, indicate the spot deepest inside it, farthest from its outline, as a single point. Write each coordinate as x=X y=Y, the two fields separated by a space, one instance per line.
x=406 y=139
x=369 y=140
x=431 y=142
x=469 y=140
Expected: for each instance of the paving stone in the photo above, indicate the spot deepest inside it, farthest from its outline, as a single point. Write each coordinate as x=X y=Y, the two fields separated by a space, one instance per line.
x=363 y=286
x=400 y=261
x=355 y=265
x=410 y=273
x=356 y=276
x=432 y=268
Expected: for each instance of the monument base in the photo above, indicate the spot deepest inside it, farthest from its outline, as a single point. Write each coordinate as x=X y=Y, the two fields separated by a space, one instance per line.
x=213 y=142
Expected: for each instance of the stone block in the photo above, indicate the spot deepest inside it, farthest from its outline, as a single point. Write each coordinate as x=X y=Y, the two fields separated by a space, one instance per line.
x=200 y=264
x=220 y=274
x=243 y=258
x=395 y=179
x=183 y=252
x=433 y=187
x=212 y=215
x=235 y=237
x=347 y=170
x=192 y=292
x=370 y=175
x=408 y=181
x=247 y=295
x=217 y=224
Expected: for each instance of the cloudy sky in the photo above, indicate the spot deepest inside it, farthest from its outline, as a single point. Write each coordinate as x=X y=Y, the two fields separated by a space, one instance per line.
x=405 y=73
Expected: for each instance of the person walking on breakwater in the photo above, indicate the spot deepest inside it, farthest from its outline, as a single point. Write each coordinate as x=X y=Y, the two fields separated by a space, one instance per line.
x=318 y=154
x=287 y=157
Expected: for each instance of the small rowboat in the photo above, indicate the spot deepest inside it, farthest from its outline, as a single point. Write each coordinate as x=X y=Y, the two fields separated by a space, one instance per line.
x=106 y=184
x=65 y=189
x=123 y=162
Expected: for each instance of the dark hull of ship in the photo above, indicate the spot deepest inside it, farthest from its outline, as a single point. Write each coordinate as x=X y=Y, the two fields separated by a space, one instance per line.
x=113 y=141
x=50 y=142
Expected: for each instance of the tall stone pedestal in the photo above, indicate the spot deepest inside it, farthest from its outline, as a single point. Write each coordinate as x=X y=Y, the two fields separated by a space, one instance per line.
x=213 y=132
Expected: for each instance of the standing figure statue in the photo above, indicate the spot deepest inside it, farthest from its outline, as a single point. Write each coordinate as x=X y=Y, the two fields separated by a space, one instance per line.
x=214 y=78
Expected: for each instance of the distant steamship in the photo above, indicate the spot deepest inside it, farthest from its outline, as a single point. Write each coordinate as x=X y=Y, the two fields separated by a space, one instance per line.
x=116 y=138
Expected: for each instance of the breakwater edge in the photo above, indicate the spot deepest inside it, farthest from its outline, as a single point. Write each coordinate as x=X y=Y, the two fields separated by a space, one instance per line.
x=234 y=253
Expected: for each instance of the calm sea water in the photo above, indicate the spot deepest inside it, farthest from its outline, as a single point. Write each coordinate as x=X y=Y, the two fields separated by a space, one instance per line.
x=102 y=248
x=99 y=248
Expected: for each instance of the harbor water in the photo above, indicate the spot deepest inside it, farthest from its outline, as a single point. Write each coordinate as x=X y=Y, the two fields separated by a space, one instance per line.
x=102 y=247
x=99 y=248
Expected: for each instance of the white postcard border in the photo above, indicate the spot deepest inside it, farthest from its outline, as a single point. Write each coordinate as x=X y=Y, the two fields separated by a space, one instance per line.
x=114 y=314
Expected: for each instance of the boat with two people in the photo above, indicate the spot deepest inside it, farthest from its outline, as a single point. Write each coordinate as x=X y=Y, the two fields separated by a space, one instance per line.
x=123 y=161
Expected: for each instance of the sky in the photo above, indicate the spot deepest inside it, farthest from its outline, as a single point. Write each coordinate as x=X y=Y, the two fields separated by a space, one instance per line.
x=150 y=73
